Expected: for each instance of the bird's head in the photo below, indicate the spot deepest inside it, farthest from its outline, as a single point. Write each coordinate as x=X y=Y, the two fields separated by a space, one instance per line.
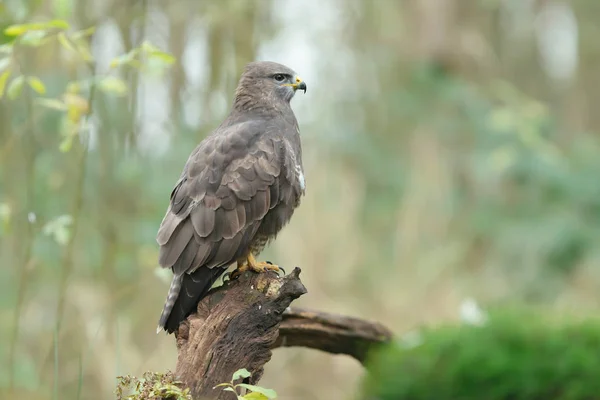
x=269 y=81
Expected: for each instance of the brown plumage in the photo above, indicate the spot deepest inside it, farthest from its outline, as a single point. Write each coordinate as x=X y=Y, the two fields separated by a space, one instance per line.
x=239 y=187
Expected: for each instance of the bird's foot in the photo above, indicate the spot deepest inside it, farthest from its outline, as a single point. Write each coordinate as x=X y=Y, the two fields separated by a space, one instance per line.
x=260 y=266
x=250 y=264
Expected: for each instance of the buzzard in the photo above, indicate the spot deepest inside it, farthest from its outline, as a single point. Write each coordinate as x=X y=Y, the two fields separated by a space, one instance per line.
x=238 y=189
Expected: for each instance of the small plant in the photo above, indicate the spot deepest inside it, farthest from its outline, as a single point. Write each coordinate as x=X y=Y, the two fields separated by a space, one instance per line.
x=152 y=385
x=255 y=392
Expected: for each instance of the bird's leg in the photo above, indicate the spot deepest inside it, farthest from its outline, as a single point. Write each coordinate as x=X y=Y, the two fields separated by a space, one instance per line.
x=241 y=268
x=261 y=266
x=250 y=264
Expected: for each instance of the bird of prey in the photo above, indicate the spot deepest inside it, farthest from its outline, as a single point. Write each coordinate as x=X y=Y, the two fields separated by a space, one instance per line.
x=238 y=189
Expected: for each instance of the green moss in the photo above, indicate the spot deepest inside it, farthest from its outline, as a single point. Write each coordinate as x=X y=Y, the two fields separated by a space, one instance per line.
x=513 y=357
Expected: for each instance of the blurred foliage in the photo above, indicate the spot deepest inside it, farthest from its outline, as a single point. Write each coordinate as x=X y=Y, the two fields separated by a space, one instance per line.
x=440 y=150
x=515 y=356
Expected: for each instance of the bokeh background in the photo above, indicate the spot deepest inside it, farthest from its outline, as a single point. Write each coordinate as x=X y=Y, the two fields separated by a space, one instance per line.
x=451 y=152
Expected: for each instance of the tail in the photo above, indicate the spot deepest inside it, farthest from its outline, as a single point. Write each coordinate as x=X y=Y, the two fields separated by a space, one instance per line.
x=185 y=293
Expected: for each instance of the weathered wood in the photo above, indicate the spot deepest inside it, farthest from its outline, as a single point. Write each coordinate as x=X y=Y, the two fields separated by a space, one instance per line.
x=239 y=323
x=235 y=327
x=332 y=333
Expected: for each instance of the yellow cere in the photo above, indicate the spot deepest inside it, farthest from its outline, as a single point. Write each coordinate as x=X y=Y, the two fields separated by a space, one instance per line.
x=294 y=85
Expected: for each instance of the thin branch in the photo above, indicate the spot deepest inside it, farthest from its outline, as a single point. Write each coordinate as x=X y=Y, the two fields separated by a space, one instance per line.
x=336 y=334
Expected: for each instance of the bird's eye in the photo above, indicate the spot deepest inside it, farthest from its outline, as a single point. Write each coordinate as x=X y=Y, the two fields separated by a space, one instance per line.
x=279 y=77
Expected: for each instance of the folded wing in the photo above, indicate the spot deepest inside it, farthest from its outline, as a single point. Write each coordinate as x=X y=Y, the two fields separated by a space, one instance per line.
x=228 y=185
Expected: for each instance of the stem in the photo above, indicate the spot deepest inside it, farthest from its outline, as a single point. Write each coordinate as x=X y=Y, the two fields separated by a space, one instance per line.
x=27 y=238
x=68 y=255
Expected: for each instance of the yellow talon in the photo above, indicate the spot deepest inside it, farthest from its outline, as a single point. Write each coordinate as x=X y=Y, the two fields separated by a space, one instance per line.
x=250 y=264
x=260 y=266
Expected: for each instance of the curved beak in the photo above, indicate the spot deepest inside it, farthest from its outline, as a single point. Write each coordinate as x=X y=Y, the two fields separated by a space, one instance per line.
x=299 y=85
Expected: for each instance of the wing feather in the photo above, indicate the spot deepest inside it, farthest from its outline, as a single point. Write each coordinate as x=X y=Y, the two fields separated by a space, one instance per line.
x=169 y=223
x=171 y=251
x=186 y=257
x=217 y=233
x=274 y=188
x=228 y=200
x=248 y=173
x=242 y=188
x=241 y=214
x=227 y=248
x=203 y=220
x=231 y=224
x=202 y=255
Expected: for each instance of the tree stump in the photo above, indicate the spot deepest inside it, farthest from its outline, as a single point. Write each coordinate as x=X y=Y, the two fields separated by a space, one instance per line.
x=239 y=323
x=235 y=327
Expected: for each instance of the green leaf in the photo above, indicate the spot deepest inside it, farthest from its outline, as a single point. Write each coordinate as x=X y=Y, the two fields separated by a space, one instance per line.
x=222 y=384
x=58 y=228
x=84 y=33
x=146 y=46
x=6 y=48
x=5 y=215
x=269 y=393
x=53 y=104
x=59 y=24
x=3 y=79
x=255 y=396
x=127 y=58
x=241 y=373
x=66 y=144
x=15 y=87
x=36 y=84
x=34 y=38
x=5 y=63
x=83 y=49
x=229 y=389
x=113 y=85
x=165 y=58
x=18 y=30
x=156 y=53
x=73 y=87
x=79 y=45
x=65 y=42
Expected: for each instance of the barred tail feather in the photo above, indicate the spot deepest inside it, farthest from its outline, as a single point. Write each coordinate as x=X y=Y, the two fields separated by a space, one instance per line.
x=174 y=290
x=185 y=293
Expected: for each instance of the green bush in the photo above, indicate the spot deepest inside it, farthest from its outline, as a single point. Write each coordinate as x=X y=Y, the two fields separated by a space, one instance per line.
x=510 y=358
